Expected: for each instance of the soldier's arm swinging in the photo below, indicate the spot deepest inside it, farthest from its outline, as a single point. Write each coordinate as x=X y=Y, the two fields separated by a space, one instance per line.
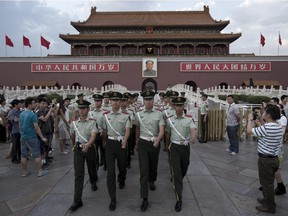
x=90 y=142
x=193 y=132
x=124 y=141
x=160 y=135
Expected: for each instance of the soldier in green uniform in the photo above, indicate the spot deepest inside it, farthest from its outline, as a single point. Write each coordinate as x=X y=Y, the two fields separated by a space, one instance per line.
x=169 y=111
x=83 y=133
x=182 y=132
x=204 y=119
x=124 y=108
x=149 y=132
x=97 y=115
x=106 y=102
x=116 y=127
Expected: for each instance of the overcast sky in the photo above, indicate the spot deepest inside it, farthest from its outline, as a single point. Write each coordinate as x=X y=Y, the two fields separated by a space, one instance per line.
x=50 y=18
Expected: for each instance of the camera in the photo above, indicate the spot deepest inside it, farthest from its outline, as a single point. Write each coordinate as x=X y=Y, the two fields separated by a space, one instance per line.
x=79 y=145
x=255 y=114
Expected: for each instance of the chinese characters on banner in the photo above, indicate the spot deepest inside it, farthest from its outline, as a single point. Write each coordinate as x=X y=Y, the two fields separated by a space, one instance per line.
x=224 y=66
x=75 y=67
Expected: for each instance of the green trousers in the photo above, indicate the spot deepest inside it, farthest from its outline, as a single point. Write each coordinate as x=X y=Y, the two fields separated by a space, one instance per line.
x=180 y=159
x=266 y=169
x=79 y=168
x=113 y=150
x=148 y=163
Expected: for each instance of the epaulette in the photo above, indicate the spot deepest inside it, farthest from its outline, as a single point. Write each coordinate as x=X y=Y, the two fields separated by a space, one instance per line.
x=124 y=112
x=158 y=109
x=92 y=119
x=170 y=116
x=190 y=116
x=131 y=109
x=106 y=112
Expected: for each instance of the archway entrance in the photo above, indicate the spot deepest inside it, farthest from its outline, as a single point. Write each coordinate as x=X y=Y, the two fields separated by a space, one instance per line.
x=108 y=83
x=223 y=85
x=150 y=84
x=75 y=85
x=193 y=84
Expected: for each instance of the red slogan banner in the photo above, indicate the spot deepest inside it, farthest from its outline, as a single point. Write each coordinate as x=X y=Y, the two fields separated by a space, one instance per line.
x=75 y=67
x=224 y=66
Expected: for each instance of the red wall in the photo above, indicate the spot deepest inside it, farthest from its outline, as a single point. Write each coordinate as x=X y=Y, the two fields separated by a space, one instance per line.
x=15 y=71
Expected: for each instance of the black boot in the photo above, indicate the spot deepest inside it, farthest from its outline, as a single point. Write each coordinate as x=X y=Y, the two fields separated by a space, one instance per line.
x=280 y=190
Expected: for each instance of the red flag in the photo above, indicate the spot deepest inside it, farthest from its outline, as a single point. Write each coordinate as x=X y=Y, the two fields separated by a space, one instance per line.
x=262 y=40
x=45 y=43
x=280 y=41
x=26 y=41
x=8 y=41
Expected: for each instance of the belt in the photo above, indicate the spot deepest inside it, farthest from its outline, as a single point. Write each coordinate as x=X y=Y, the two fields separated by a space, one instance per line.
x=150 y=139
x=179 y=142
x=266 y=156
x=115 y=138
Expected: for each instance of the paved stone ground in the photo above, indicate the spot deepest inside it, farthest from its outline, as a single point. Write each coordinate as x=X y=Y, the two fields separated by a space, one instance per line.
x=216 y=184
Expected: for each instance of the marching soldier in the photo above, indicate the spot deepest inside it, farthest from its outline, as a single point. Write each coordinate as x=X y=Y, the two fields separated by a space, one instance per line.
x=116 y=127
x=149 y=131
x=83 y=134
x=106 y=102
x=204 y=118
x=182 y=132
x=97 y=115
x=169 y=111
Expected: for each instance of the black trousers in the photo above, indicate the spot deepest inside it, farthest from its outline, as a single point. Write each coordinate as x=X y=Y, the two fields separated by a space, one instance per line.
x=204 y=129
x=180 y=159
x=16 y=147
x=100 y=150
x=2 y=133
x=114 y=151
x=79 y=167
x=148 y=163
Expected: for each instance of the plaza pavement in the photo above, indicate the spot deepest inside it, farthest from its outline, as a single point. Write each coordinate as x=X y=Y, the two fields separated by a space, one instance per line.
x=216 y=184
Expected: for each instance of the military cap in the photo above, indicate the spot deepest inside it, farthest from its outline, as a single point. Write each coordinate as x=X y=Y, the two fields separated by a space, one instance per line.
x=128 y=95
x=97 y=97
x=167 y=93
x=80 y=95
x=83 y=103
x=135 y=95
x=148 y=95
x=178 y=100
x=182 y=93
x=105 y=94
x=173 y=94
x=115 y=96
x=125 y=97
x=161 y=94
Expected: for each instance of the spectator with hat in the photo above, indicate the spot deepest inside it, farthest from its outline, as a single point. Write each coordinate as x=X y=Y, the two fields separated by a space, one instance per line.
x=149 y=132
x=116 y=130
x=83 y=134
x=182 y=133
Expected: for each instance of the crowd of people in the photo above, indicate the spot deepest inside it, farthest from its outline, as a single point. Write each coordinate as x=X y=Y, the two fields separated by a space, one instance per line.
x=117 y=124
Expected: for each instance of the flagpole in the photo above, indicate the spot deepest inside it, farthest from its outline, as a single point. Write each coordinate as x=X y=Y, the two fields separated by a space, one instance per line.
x=260 y=45
x=278 y=41
x=6 y=50
x=40 y=46
x=23 y=45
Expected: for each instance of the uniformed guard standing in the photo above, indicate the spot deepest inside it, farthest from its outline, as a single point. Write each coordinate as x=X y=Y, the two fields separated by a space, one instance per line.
x=204 y=119
x=83 y=134
x=116 y=127
x=149 y=132
x=182 y=132
x=97 y=115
